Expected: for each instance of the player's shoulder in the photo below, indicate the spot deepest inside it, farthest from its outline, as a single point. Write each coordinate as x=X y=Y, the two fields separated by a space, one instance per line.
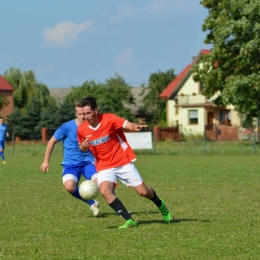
x=108 y=116
x=82 y=126
x=68 y=125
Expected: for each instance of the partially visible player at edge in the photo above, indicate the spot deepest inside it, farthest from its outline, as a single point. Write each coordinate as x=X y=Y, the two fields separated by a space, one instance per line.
x=75 y=162
x=3 y=135
x=103 y=135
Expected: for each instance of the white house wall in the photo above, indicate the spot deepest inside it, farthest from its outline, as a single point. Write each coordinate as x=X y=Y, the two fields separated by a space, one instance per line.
x=188 y=95
x=189 y=87
x=184 y=120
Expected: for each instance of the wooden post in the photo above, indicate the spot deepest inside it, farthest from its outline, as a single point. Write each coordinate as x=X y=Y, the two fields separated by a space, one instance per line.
x=44 y=135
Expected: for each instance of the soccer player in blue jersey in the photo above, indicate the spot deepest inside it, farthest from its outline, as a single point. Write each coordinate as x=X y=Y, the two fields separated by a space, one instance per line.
x=3 y=135
x=75 y=162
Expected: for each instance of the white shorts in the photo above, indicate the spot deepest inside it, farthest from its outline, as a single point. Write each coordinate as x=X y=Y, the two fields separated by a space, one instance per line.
x=127 y=174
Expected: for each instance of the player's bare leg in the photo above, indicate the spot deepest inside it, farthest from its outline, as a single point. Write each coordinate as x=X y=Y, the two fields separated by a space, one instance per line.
x=72 y=187
x=106 y=188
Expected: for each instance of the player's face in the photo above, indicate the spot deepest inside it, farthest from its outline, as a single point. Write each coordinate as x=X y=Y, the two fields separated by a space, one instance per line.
x=90 y=115
x=79 y=115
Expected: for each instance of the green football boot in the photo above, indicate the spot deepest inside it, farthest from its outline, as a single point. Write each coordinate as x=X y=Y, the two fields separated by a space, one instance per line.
x=165 y=212
x=129 y=224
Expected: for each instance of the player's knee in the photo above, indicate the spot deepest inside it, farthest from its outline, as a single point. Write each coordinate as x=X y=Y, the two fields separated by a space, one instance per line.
x=70 y=187
x=103 y=190
x=143 y=192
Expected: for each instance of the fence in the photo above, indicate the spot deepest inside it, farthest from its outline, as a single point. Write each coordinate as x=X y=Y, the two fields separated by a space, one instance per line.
x=170 y=141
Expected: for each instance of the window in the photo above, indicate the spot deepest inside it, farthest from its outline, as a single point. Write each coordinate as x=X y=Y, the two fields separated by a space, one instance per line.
x=176 y=107
x=193 y=117
x=225 y=116
x=201 y=87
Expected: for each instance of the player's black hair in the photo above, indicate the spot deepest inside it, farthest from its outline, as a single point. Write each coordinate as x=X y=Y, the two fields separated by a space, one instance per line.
x=89 y=101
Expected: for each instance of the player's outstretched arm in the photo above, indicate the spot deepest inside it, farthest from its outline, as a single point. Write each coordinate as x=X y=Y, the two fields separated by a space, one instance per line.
x=134 y=127
x=45 y=165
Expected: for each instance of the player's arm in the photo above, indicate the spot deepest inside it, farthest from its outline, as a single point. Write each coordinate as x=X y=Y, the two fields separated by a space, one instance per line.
x=84 y=145
x=83 y=142
x=133 y=126
x=45 y=165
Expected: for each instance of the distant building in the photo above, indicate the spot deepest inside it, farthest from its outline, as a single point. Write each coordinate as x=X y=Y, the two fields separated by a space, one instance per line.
x=6 y=90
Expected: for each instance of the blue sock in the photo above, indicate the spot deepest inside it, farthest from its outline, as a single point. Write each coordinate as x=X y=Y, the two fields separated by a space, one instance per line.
x=2 y=155
x=77 y=196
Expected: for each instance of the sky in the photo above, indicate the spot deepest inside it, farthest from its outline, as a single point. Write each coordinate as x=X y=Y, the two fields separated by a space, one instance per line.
x=68 y=42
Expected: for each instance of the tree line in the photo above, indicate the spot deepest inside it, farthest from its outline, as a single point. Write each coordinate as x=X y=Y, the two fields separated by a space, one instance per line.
x=35 y=108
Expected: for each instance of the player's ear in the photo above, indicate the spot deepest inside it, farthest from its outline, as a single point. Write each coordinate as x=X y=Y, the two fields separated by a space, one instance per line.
x=96 y=111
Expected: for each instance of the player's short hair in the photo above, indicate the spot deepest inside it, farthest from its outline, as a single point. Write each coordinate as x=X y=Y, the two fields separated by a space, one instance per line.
x=77 y=104
x=89 y=101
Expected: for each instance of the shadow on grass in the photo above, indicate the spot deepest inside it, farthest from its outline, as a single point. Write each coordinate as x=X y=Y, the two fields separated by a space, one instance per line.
x=105 y=214
x=174 y=221
x=160 y=221
x=187 y=219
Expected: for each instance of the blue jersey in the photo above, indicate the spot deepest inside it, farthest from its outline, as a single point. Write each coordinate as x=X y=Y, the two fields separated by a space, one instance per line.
x=3 y=131
x=72 y=154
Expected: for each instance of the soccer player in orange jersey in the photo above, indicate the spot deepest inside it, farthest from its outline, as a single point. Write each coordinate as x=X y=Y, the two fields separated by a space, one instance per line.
x=103 y=135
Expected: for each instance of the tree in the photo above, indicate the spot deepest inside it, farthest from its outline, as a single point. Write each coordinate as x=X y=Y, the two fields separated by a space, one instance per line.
x=154 y=108
x=116 y=93
x=232 y=67
x=26 y=87
x=88 y=88
x=15 y=122
x=3 y=101
x=50 y=117
x=31 y=119
x=110 y=96
x=66 y=111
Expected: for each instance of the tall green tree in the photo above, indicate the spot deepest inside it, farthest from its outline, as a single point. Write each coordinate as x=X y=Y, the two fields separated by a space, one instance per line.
x=3 y=101
x=232 y=67
x=31 y=120
x=50 y=117
x=154 y=108
x=26 y=87
x=117 y=94
x=111 y=96
x=66 y=111
x=15 y=122
x=88 y=88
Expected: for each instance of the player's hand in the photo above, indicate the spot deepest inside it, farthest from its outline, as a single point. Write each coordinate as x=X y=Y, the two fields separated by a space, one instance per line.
x=45 y=167
x=137 y=127
x=84 y=146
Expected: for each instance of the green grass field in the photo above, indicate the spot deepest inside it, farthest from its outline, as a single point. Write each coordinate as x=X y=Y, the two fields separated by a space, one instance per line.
x=214 y=199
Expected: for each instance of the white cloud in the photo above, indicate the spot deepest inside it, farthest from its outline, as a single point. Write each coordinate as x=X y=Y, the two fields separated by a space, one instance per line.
x=126 y=65
x=124 y=57
x=12 y=59
x=171 y=6
x=64 y=33
x=46 y=69
x=126 y=11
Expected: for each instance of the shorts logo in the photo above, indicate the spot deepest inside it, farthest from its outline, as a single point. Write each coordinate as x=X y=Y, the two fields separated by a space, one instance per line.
x=101 y=140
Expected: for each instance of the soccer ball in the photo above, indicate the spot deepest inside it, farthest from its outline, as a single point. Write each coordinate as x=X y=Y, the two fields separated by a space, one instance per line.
x=88 y=190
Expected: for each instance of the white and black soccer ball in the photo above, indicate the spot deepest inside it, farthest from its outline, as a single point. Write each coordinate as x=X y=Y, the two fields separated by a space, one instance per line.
x=88 y=190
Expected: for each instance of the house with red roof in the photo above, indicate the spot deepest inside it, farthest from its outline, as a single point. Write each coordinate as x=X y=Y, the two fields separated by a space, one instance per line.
x=187 y=107
x=6 y=90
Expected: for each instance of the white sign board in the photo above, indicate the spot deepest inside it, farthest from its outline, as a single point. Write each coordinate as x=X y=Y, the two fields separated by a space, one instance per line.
x=142 y=140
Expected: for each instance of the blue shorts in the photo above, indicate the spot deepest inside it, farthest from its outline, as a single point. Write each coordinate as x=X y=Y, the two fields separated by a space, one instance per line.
x=74 y=171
